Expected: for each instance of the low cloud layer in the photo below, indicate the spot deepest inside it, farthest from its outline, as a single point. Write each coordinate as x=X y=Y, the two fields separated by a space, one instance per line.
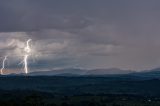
x=84 y=34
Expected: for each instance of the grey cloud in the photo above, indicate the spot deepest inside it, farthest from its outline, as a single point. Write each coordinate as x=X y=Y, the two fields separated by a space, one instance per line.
x=85 y=33
x=27 y=16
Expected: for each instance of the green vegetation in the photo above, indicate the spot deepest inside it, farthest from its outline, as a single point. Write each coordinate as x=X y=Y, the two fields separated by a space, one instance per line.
x=44 y=99
x=79 y=91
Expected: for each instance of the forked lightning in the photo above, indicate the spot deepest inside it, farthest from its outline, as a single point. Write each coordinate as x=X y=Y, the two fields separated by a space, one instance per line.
x=27 y=50
x=3 y=64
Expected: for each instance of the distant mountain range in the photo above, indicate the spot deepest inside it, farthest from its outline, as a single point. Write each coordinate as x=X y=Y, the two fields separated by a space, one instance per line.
x=154 y=73
x=77 y=72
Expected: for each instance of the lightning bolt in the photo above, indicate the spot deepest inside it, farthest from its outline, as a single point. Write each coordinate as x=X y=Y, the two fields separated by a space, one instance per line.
x=27 y=50
x=26 y=63
x=3 y=65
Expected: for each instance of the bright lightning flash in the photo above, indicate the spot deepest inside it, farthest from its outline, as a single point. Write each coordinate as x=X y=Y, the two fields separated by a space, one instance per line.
x=27 y=50
x=3 y=65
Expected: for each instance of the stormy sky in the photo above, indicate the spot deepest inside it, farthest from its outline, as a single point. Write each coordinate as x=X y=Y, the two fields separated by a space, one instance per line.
x=88 y=34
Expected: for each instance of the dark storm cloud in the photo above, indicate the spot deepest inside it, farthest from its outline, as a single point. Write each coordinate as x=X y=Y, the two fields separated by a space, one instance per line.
x=84 y=33
x=28 y=15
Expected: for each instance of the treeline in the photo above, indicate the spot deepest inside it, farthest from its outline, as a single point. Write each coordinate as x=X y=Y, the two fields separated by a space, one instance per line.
x=32 y=98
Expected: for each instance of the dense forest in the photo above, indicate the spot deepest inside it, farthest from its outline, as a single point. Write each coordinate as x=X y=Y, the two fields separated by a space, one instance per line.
x=78 y=91
x=34 y=98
